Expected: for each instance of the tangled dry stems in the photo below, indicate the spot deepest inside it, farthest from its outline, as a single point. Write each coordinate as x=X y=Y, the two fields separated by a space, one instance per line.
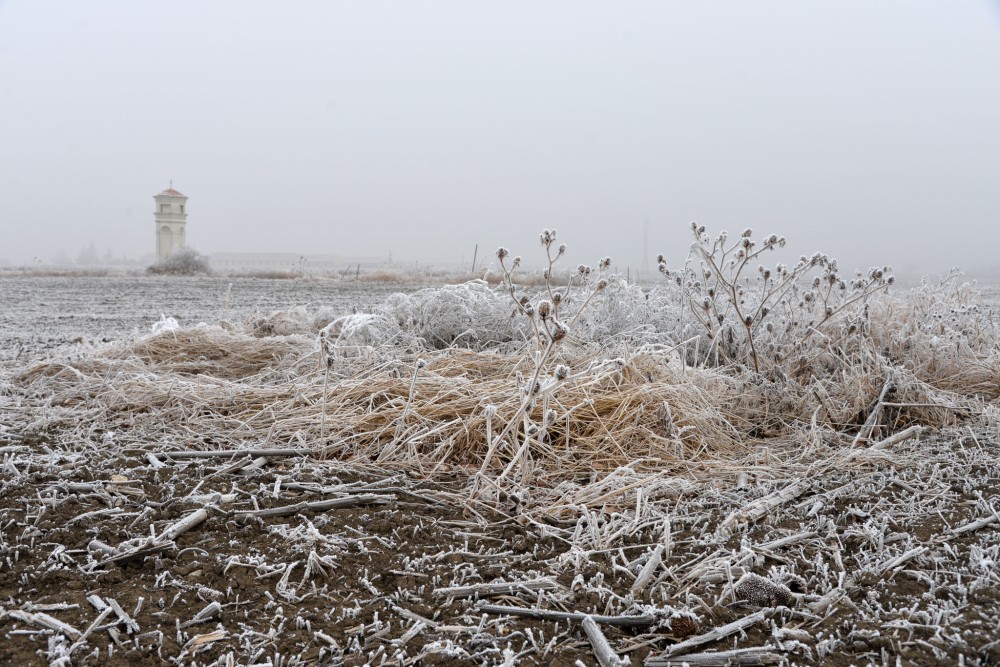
x=645 y=388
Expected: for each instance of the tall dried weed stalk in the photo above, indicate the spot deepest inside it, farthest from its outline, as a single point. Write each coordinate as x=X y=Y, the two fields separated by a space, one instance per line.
x=551 y=318
x=739 y=301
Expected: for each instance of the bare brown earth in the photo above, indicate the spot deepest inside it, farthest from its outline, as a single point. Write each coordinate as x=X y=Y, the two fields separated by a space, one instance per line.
x=884 y=560
x=876 y=555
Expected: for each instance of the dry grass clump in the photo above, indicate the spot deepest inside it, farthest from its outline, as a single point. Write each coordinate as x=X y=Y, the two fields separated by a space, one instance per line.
x=943 y=334
x=283 y=323
x=267 y=274
x=384 y=276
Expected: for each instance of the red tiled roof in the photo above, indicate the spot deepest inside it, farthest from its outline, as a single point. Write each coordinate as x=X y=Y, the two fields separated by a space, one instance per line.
x=171 y=192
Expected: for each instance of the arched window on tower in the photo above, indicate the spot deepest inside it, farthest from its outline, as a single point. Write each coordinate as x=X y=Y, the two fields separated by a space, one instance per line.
x=165 y=241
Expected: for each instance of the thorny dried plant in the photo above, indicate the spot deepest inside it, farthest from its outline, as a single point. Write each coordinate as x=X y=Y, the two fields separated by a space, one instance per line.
x=550 y=325
x=724 y=296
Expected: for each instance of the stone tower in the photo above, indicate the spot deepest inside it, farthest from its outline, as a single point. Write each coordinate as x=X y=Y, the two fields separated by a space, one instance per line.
x=171 y=219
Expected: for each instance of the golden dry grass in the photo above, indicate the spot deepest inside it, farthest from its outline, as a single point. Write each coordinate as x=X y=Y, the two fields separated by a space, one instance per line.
x=647 y=409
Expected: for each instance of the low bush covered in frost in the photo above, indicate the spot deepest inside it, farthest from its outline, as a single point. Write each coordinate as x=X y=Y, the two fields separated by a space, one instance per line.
x=185 y=262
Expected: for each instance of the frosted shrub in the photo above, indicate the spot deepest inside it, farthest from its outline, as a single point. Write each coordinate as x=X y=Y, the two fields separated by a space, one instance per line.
x=942 y=333
x=753 y=314
x=290 y=322
x=620 y=309
x=165 y=324
x=628 y=312
x=468 y=315
x=186 y=262
x=322 y=317
x=364 y=329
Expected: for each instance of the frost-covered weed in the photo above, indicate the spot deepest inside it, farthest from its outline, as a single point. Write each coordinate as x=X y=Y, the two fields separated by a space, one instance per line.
x=761 y=320
x=290 y=322
x=551 y=319
x=165 y=324
x=468 y=315
x=359 y=329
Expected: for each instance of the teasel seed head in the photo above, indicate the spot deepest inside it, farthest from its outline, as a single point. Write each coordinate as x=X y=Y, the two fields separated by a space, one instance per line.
x=762 y=592
x=559 y=330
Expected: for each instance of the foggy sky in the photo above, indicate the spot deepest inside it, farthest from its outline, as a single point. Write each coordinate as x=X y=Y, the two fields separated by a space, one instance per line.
x=868 y=130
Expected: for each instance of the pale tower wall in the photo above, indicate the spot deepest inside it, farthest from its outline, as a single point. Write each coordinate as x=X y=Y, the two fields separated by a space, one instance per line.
x=171 y=219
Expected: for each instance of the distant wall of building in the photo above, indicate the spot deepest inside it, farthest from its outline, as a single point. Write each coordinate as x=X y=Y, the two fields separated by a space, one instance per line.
x=229 y=261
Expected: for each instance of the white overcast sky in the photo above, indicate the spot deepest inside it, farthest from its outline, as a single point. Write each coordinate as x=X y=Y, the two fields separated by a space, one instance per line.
x=866 y=129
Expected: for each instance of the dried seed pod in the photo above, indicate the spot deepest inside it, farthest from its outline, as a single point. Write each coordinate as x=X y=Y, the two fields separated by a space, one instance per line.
x=685 y=625
x=678 y=623
x=762 y=592
x=559 y=330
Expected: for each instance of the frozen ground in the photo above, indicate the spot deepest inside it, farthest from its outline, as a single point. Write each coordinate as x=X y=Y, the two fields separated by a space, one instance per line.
x=38 y=315
x=118 y=548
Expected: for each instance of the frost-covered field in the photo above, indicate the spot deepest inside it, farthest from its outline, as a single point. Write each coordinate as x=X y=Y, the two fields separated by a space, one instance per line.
x=455 y=476
x=39 y=314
